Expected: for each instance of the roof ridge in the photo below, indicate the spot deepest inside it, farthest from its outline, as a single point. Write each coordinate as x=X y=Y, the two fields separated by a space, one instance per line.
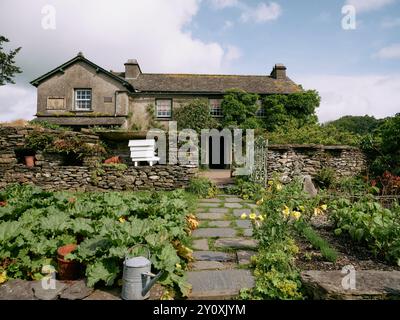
x=206 y=74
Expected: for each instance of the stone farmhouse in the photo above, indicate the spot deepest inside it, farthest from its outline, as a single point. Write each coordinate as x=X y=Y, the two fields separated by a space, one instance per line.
x=79 y=93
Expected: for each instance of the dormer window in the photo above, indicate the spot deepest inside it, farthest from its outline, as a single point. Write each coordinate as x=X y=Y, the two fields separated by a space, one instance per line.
x=83 y=99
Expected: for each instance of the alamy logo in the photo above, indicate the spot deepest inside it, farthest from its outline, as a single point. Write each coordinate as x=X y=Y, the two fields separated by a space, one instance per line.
x=349 y=280
x=49 y=280
x=49 y=18
x=186 y=148
x=349 y=21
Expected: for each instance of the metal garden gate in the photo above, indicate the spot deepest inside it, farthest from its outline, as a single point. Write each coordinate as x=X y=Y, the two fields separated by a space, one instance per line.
x=260 y=169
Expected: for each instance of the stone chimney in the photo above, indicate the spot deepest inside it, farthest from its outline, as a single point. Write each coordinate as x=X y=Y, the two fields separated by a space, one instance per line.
x=132 y=69
x=279 y=71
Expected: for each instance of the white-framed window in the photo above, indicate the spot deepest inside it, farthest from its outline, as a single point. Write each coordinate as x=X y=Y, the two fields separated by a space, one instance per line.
x=83 y=99
x=215 y=107
x=261 y=113
x=163 y=108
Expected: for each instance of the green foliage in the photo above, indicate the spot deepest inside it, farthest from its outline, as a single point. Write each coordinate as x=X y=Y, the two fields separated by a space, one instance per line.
x=238 y=107
x=290 y=132
x=47 y=125
x=246 y=189
x=8 y=69
x=367 y=222
x=325 y=178
x=34 y=223
x=276 y=275
x=202 y=187
x=383 y=147
x=359 y=125
x=38 y=141
x=296 y=107
x=316 y=241
x=195 y=115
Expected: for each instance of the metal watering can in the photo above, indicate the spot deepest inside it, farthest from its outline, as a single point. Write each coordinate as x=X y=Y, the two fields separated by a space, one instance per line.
x=137 y=278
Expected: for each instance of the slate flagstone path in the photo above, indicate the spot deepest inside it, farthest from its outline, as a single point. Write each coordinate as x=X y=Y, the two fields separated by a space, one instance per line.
x=223 y=246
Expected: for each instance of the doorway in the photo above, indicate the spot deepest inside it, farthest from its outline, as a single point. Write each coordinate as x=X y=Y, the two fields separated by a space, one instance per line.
x=217 y=157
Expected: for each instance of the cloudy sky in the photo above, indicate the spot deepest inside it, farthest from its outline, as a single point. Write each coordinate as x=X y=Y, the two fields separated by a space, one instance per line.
x=356 y=71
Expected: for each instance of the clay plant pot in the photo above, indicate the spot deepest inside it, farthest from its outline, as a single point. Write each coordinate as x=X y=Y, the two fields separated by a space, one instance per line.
x=67 y=269
x=115 y=159
x=30 y=161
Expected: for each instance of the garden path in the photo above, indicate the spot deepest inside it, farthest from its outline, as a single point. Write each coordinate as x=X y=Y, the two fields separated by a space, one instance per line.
x=223 y=246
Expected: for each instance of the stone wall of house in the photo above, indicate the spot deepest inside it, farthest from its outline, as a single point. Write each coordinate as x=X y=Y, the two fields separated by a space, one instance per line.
x=296 y=160
x=50 y=173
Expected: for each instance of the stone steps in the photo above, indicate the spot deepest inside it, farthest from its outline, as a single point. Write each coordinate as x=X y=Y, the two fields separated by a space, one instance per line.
x=217 y=274
x=224 y=284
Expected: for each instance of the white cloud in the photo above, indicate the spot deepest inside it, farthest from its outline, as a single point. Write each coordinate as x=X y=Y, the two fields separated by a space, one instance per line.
x=390 y=23
x=154 y=32
x=227 y=25
x=17 y=102
x=262 y=12
x=390 y=52
x=233 y=53
x=221 y=4
x=376 y=95
x=369 y=5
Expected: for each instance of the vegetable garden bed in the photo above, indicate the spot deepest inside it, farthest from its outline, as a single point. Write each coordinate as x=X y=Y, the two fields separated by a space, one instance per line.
x=34 y=223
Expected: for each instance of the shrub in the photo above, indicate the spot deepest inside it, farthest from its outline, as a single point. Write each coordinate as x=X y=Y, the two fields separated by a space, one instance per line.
x=325 y=178
x=202 y=187
x=290 y=132
x=195 y=115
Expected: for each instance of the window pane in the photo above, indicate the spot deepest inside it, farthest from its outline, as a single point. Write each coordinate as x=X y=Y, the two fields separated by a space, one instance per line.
x=164 y=108
x=83 y=99
x=215 y=107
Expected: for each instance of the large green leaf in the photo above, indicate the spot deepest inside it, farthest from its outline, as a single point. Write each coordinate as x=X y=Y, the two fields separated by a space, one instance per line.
x=106 y=270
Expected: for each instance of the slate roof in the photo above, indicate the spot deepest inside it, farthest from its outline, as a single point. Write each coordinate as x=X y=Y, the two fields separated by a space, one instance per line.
x=187 y=83
x=209 y=83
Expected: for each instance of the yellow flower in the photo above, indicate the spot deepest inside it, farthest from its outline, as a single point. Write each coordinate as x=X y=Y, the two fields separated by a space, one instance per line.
x=178 y=266
x=270 y=182
x=243 y=216
x=296 y=215
x=261 y=218
x=279 y=187
x=302 y=209
x=286 y=211
x=3 y=277
x=122 y=219
x=317 y=211
x=252 y=216
x=245 y=197
x=260 y=202
x=324 y=207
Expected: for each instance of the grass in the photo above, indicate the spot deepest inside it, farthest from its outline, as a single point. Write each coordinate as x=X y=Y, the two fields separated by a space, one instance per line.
x=329 y=253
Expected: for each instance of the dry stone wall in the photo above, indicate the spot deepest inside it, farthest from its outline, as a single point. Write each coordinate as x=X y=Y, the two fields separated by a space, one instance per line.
x=50 y=173
x=295 y=160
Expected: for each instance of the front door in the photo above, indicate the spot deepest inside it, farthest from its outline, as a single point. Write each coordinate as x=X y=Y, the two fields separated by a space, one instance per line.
x=216 y=153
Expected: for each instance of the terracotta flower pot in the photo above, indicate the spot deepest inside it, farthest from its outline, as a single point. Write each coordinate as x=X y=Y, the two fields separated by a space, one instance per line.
x=115 y=159
x=30 y=161
x=67 y=269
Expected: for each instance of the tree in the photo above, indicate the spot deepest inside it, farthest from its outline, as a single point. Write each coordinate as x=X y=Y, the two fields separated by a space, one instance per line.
x=357 y=124
x=238 y=107
x=299 y=106
x=383 y=147
x=195 y=115
x=8 y=69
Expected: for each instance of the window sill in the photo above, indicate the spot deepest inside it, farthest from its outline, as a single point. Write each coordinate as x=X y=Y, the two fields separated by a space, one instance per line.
x=164 y=119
